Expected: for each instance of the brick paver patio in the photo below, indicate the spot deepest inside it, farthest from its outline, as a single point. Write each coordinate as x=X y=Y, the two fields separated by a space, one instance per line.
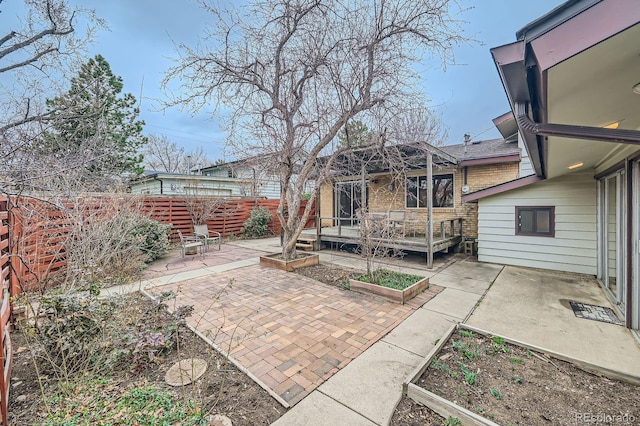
x=291 y=332
x=173 y=263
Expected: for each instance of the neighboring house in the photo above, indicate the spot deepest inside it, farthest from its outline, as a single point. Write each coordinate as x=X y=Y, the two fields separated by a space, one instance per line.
x=573 y=82
x=463 y=168
x=253 y=181
x=254 y=176
x=159 y=183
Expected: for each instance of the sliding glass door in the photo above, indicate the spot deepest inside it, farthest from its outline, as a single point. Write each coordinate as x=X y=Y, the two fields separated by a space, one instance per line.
x=612 y=237
x=348 y=200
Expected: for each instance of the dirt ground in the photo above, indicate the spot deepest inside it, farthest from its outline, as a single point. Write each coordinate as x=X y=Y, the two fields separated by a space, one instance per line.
x=330 y=274
x=514 y=386
x=223 y=389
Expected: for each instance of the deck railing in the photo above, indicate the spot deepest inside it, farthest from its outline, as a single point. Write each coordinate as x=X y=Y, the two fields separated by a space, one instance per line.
x=443 y=229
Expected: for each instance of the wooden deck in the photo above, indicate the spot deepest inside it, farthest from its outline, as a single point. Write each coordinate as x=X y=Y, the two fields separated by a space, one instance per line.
x=447 y=233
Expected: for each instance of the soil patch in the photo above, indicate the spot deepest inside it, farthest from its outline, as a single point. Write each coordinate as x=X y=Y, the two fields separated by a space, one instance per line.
x=222 y=389
x=511 y=385
x=330 y=274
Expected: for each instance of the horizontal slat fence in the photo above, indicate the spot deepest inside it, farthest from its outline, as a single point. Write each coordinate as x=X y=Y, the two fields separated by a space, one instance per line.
x=228 y=218
x=6 y=356
x=41 y=228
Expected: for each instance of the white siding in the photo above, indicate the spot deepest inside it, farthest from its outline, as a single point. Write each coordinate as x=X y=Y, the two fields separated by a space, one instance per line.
x=573 y=249
x=526 y=169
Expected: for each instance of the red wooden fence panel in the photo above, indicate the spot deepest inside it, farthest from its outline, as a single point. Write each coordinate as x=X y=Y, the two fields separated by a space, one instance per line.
x=6 y=357
x=41 y=228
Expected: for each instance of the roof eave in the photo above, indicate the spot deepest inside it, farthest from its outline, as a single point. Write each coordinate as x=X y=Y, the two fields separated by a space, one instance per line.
x=510 y=60
x=503 y=187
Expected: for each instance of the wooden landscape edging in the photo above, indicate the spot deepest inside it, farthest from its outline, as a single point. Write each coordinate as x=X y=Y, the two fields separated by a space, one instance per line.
x=585 y=365
x=422 y=367
x=392 y=294
x=446 y=408
x=440 y=405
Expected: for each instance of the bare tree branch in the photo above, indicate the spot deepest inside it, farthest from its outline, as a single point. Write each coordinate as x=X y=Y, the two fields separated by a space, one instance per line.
x=293 y=74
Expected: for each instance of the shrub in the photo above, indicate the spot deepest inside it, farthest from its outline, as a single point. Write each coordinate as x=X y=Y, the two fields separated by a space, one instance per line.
x=83 y=332
x=113 y=249
x=257 y=224
x=70 y=332
x=152 y=237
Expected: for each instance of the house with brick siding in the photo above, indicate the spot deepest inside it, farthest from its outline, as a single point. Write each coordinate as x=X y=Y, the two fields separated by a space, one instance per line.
x=473 y=165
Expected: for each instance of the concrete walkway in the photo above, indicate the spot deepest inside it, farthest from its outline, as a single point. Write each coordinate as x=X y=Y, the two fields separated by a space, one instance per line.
x=367 y=390
x=547 y=320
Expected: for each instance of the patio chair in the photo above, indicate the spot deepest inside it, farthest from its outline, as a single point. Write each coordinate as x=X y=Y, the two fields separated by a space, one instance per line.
x=207 y=237
x=190 y=243
x=412 y=222
x=396 y=220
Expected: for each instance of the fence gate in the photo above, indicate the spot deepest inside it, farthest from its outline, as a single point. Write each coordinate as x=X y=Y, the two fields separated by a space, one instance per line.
x=5 y=310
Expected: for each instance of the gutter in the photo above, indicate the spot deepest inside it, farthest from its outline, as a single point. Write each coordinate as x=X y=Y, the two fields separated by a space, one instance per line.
x=572 y=131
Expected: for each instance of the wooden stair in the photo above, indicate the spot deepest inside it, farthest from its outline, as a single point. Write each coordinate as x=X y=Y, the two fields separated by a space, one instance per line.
x=306 y=243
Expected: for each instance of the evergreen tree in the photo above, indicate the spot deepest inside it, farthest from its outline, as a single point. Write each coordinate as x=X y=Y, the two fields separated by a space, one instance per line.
x=95 y=128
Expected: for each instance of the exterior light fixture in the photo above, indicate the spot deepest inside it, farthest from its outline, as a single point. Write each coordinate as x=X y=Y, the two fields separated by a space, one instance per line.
x=636 y=89
x=576 y=166
x=613 y=125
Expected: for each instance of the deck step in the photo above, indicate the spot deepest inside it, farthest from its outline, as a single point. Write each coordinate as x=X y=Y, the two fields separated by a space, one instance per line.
x=307 y=239
x=305 y=247
x=306 y=243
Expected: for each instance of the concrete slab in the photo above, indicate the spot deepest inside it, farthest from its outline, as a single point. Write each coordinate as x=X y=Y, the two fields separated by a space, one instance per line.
x=233 y=265
x=486 y=272
x=419 y=332
x=270 y=245
x=470 y=285
x=532 y=306
x=452 y=302
x=317 y=410
x=371 y=384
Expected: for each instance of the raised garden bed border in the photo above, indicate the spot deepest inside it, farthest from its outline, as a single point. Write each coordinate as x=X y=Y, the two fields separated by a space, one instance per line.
x=305 y=259
x=446 y=408
x=397 y=296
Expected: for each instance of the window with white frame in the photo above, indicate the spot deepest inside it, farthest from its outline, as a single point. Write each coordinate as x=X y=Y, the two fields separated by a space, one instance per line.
x=416 y=191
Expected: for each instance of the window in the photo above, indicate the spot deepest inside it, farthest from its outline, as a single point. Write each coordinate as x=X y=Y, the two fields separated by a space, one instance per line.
x=442 y=191
x=535 y=221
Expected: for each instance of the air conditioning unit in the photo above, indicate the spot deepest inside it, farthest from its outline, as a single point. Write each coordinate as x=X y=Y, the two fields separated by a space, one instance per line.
x=465 y=189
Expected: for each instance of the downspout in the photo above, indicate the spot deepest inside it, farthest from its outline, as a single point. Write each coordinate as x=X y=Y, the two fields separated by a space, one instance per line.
x=155 y=177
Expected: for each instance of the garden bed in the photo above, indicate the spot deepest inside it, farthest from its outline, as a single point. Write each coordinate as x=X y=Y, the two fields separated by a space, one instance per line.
x=136 y=393
x=511 y=384
x=394 y=286
x=302 y=260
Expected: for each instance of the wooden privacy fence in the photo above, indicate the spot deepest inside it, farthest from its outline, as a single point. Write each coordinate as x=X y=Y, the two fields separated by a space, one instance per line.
x=228 y=218
x=6 y=357
x=41 y=228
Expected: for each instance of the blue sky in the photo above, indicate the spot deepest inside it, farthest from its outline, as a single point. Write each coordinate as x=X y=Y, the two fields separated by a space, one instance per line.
x=139 y=42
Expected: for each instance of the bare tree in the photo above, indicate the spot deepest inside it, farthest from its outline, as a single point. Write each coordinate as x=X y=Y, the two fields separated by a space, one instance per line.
x=201 y=207
x=294 y=73
x=35 y=55
x=163 y=155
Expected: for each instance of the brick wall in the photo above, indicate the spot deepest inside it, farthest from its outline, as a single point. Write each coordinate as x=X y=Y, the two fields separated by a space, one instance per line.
x=477 y=177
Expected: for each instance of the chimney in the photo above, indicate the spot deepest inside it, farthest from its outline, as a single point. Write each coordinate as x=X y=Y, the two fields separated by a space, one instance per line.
x=467 y=139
